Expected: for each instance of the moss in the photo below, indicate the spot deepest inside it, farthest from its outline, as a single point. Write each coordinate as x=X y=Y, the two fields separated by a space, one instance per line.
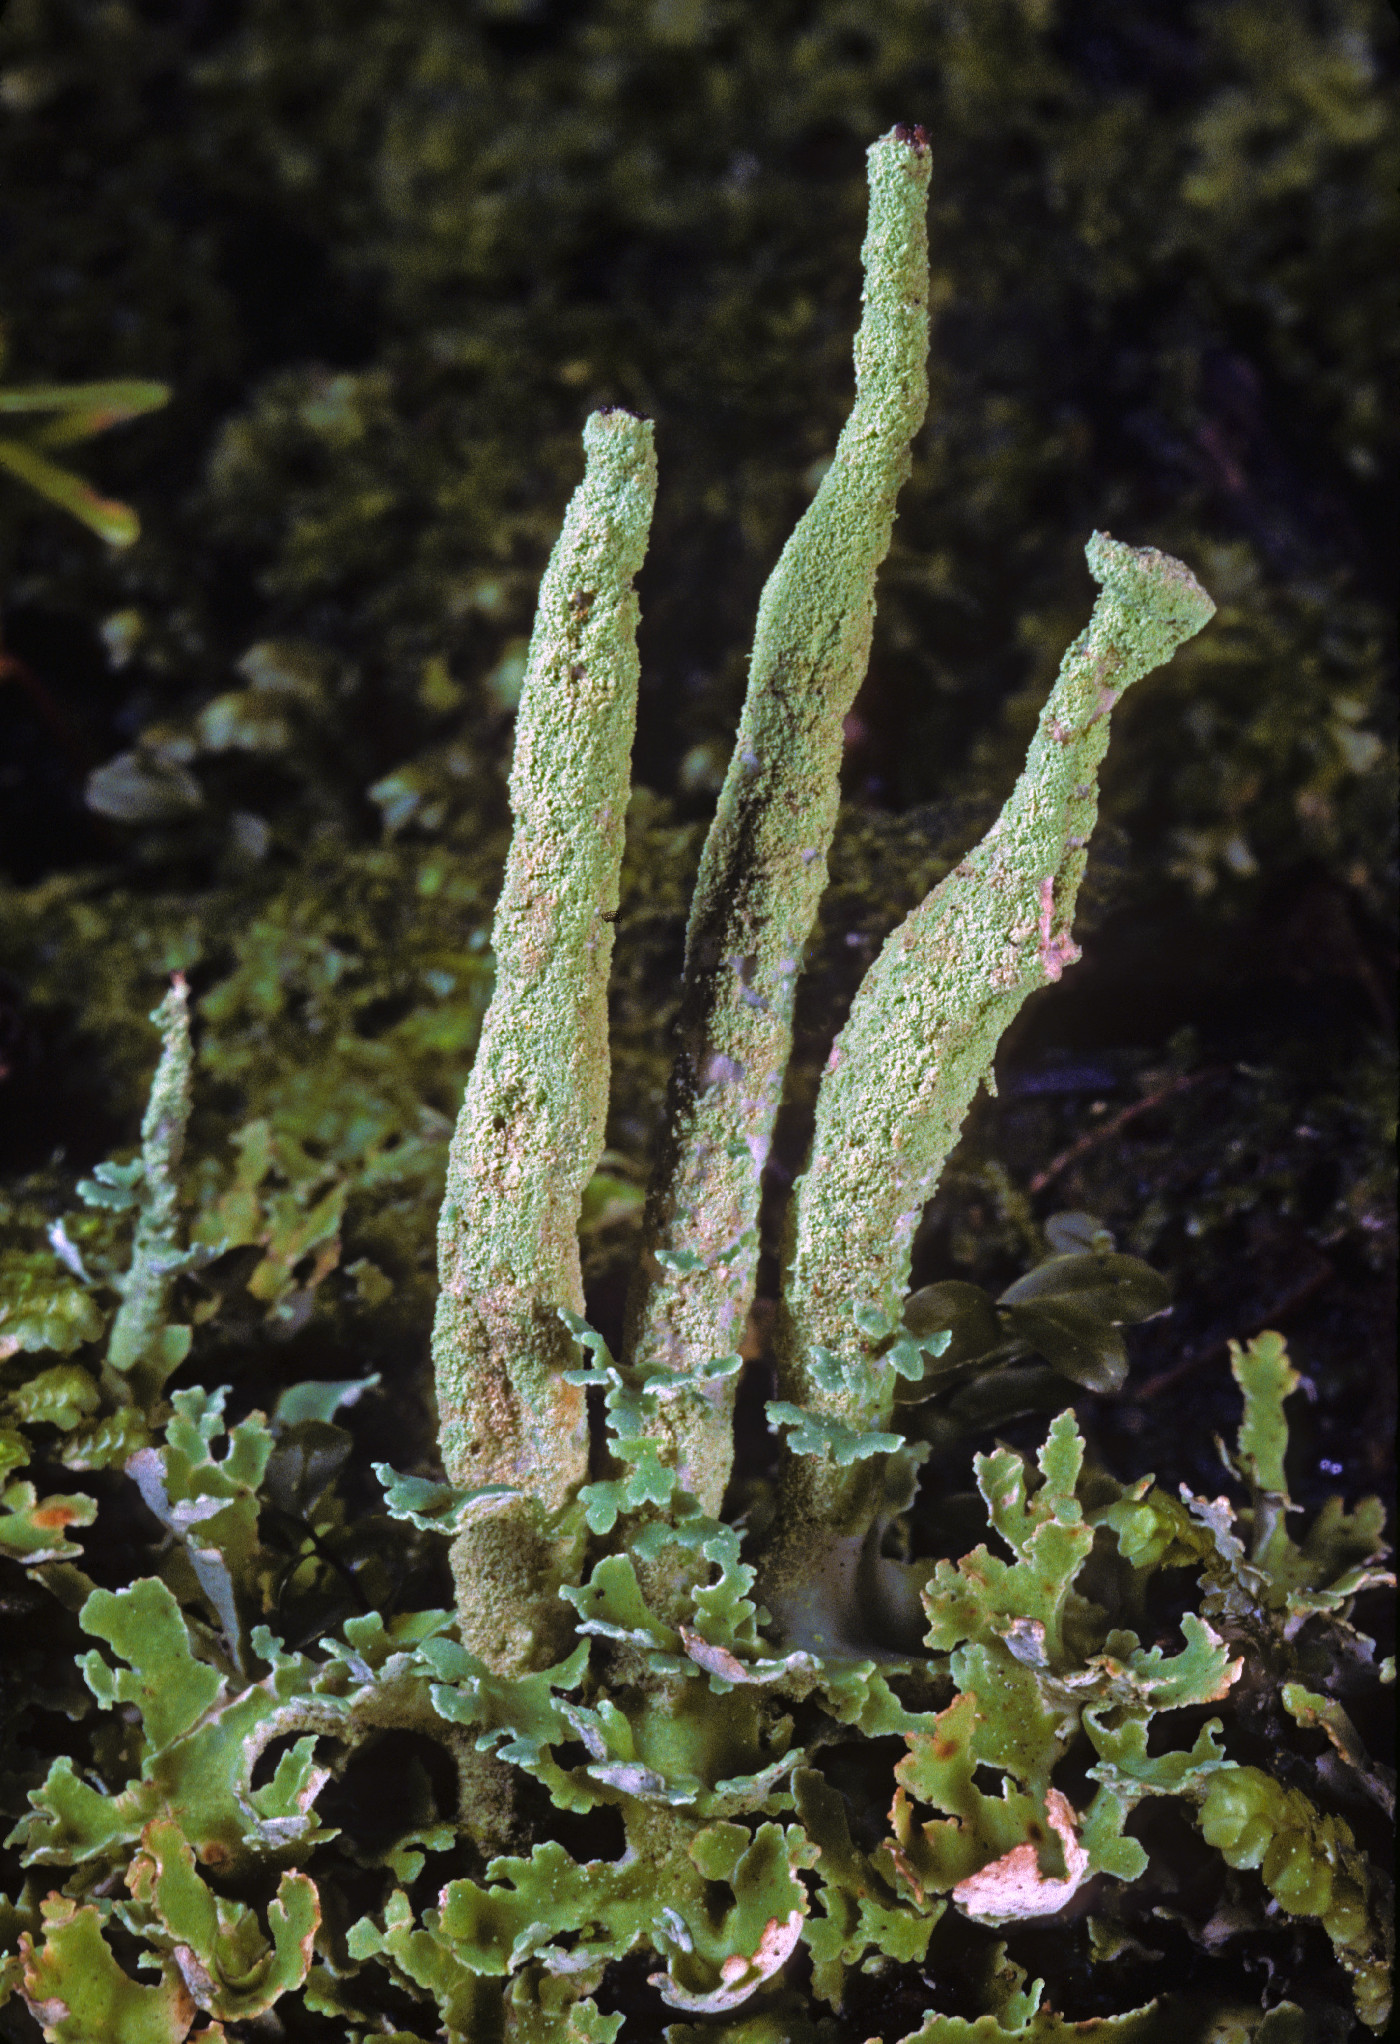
x=479 y=231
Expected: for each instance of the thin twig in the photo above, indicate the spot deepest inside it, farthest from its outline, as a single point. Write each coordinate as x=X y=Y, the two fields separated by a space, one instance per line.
x=1300 y=1295
x=1120 y=1121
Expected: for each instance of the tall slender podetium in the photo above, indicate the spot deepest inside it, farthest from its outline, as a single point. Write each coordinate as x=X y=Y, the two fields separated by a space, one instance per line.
x=921 y=1036
x=531 y=1127
x=764 y=867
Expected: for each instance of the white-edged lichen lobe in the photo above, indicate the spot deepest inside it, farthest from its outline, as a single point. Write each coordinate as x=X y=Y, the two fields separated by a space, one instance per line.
x=531 y=1126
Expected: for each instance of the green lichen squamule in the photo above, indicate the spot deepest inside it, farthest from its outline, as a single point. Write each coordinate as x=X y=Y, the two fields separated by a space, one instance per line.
x=531 y=1127
x=764 y=866
x=141 y=1349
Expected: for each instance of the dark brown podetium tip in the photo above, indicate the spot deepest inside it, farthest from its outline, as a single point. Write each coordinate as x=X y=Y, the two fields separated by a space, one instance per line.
x=911 y=133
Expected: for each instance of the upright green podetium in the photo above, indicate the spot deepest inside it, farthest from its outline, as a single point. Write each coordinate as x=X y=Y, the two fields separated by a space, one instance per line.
x=531 y=1128
x=764 y=866
x=921 y=1035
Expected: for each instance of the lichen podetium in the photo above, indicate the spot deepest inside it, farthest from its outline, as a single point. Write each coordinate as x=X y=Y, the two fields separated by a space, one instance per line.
x=930 y=1012
x=531 y=1127
x=141 y=1349
x=764 y=866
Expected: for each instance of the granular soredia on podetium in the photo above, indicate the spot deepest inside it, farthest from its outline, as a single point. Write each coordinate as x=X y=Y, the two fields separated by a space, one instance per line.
x=950 y=979
x=764 y=866
x=141 y=1348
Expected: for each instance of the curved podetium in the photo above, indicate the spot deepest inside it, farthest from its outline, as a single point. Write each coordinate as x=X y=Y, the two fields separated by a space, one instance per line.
x=926 y=1022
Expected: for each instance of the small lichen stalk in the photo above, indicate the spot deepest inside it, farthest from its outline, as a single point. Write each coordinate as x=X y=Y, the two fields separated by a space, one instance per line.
x=142 y=1350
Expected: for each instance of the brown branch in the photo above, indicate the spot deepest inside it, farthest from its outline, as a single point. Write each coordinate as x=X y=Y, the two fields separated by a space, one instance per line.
x=1300 y=1295
x=1102 y=1134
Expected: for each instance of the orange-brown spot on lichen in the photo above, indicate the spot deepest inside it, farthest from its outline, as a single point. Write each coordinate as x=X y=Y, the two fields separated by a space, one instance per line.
x=52 y=1517
x=902 y=1865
